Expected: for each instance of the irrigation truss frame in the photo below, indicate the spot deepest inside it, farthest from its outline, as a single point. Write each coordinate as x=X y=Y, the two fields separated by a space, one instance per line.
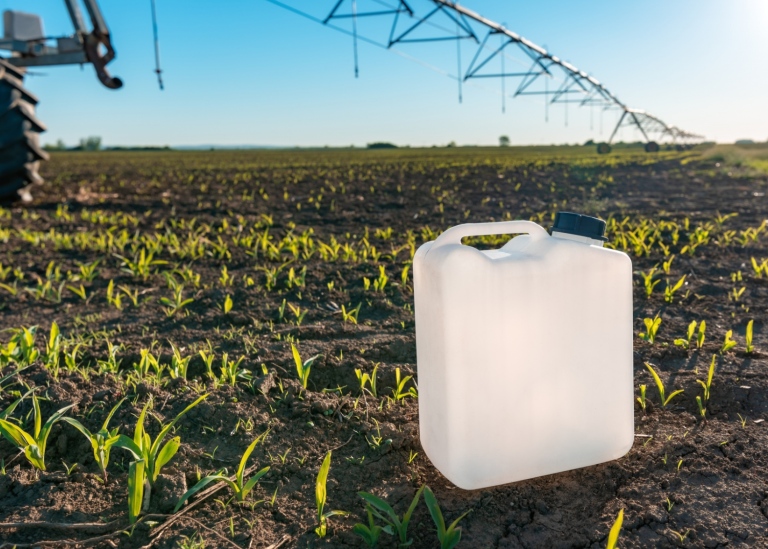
x=573 y=85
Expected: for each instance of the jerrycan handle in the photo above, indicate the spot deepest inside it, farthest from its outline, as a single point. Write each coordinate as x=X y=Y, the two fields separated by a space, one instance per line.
x=455 y=234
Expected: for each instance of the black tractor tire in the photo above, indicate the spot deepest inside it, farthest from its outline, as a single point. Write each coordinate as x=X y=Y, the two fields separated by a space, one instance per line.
x=20 y=151
x=652 y=147
x=603 y=148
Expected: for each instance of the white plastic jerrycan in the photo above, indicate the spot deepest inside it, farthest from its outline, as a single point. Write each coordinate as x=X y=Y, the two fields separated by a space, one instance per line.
x=524 y=354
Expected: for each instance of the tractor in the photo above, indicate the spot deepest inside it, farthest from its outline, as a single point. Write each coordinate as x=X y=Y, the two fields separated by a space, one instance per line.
x=28 y=46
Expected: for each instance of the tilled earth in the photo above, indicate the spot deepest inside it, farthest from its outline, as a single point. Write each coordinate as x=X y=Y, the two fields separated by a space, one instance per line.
x=687 y=482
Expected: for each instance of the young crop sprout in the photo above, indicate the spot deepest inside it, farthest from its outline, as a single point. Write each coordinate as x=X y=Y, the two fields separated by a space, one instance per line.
x=651 y=328
x=366 y=379
x=321 y=496
x=660 y=385
x=700 y=334
x=227 y=305
x=728 y=343
x=33 y=444
x=613 y=535
x=302 y=367
x=686 y=343
x=708 y=384
x=648 y=283
x=385 y=512
x=370 y=533
x=173 y=306
x=641 y=398
x=101 y=441
x=702 y=409
x=350 y=315
x=149 y=457
x=669 y=292
x=448 y=537
x=239 y=486
x=748 y=337
x=399 y=393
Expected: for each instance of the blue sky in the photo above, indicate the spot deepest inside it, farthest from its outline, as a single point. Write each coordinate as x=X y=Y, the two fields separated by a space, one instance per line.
x=248 y=72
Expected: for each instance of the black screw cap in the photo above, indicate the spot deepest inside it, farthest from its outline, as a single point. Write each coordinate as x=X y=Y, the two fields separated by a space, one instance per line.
x=578 y=224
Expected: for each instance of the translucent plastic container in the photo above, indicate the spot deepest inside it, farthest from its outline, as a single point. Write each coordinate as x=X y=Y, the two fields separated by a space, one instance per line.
x=524 y=354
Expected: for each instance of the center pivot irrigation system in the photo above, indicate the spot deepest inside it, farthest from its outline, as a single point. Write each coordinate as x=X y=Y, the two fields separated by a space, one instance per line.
x=28 y=46
x=445 y=20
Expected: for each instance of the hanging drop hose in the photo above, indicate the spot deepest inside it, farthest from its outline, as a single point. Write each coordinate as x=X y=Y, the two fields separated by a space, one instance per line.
x=158 y=70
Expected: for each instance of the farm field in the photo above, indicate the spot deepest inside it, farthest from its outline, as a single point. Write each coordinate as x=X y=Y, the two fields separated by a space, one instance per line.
x=267 y=296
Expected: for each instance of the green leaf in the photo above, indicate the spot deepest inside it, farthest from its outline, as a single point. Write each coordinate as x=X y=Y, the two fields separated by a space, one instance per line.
x=165 y=455
x=79 y=426
x=202 y=483
x=246 y=455
x=657 y=379
x=111 y=413
x=42 y=440
x=320 y=492
x=613 y=535
x=252 y=482
x=434 y=510
x=127 y=444
x=381 y=505
x=138 y=434
x=15 y=434
x=136 y=477
x=35 y=457
x=168 y=427
x=672 y=395
x=38 y=416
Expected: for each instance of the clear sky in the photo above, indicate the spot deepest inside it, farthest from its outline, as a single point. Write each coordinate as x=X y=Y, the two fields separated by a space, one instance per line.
x=248 y=72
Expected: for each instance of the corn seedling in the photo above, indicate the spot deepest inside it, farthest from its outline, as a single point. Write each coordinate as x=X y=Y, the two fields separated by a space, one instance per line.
x=231 y=371
x=648 y=282
x=702 y=409
x=321 y=497
x=149 y=458
x=33 y=444
x=613 y=535
x=366 y=379
x=669 y=292
x=88 y=271
x=651 y=328
x=239 y=486
x=227 y=305
x=399 y=392
x=385 y=512
x=641 y=398
x=736 y=293
x=351 y=315
x=708 y=384
x=113 y=298
x=666 y=266
x=101 y=441
x=179 y=364
x=665 y=399
x=177 y=303
x=700 y=334
x=370 y=533
x=381 y=282
x=303 y=367
x=761 y=268
x=449 y=537
x=686 y=343
x=79 y=291
x=298 y=314
x=132 y=295
x=728 y=343
x=748 y=337
x=141 y=264
x=52 y=354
